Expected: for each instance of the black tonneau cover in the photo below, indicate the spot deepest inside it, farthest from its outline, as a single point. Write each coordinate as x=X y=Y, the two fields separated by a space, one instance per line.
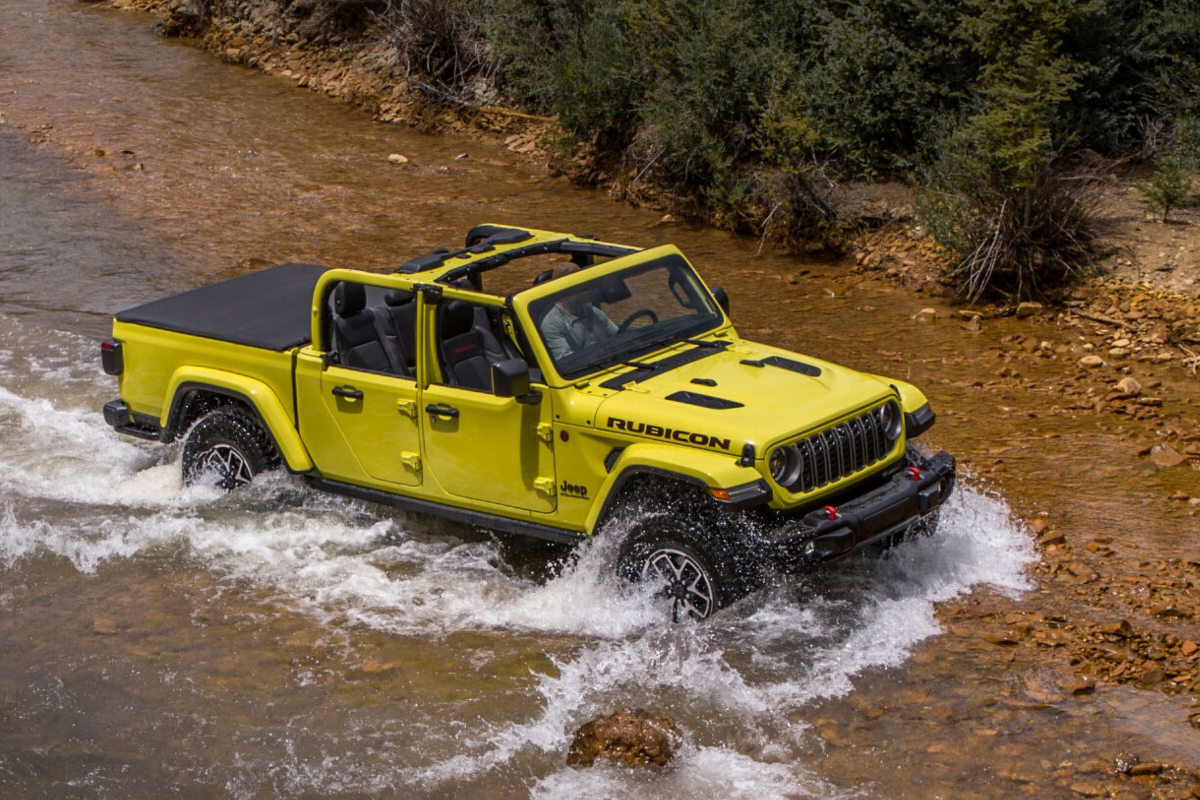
x=271 y=309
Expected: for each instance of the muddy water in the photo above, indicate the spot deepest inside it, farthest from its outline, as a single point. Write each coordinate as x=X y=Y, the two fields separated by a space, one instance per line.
x=161 y=641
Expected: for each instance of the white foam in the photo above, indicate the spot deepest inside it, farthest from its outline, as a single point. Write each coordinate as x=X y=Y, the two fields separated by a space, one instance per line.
x=700 y=772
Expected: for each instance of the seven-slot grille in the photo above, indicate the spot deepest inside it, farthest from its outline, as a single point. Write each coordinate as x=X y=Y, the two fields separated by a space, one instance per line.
x=839 y=451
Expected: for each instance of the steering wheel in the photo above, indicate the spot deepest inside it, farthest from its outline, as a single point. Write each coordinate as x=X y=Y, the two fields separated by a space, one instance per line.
x=641 y=312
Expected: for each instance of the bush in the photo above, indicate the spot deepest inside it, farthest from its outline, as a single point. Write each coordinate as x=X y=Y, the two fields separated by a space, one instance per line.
x=1021 y=242
x=1169 y=188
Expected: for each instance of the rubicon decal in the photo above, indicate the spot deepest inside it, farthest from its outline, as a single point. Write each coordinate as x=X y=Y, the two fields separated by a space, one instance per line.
x=671 y=434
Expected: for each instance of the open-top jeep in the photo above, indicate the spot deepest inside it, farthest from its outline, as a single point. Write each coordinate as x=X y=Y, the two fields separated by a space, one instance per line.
x=611 y=392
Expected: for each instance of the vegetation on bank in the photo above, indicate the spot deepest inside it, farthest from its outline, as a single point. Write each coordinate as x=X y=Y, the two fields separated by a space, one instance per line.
x=1003 y=112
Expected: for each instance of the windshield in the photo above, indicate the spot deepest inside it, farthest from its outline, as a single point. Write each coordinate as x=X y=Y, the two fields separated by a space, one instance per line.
x=619 y=317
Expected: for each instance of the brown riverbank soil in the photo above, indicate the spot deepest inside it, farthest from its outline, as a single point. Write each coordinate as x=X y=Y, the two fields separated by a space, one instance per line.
x=1112 y=629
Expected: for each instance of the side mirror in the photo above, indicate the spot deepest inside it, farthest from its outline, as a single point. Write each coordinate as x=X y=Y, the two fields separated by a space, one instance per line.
x=722 y=298
x=510 y=378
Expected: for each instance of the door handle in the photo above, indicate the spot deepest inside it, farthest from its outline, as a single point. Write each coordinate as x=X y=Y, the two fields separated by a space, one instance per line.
x=348 y=392
x=442 y=410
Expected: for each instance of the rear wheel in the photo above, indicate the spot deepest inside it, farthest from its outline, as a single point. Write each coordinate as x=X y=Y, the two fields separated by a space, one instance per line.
x=229 y=445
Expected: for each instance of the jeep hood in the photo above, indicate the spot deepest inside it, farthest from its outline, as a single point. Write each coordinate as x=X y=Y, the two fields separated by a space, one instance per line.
x=761 y=394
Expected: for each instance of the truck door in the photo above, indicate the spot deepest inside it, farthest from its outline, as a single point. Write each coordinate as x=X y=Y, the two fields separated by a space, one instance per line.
x=358 y=403
x=479 y=446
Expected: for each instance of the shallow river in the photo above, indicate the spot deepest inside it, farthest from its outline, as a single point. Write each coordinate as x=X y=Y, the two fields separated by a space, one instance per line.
x=157 y=641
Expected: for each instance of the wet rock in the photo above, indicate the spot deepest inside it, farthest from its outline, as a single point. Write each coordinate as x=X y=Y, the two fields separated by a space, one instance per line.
x=1003 y=638
x=1120 y=630
x=1149 y=768
x=1028 y=309
x=1163 y=455
x=1085 y=684
x=926 y=315
x=396 y=158
x=1051 y=539
x=1091 y=362
x=1128 y=387
x=1089 y=788
x=1189 y=647
x=1151 y=675
x=104 y=626
x=634 y=738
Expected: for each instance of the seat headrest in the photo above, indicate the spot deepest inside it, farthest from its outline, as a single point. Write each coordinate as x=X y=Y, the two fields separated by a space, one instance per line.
x=457 y=318
x=349 y=299
x=398 y=297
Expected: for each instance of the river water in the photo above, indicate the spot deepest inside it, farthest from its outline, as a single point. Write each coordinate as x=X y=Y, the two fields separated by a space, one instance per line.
x=157 y=641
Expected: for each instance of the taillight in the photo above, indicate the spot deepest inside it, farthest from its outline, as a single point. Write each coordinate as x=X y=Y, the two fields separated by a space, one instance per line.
x=111 y=357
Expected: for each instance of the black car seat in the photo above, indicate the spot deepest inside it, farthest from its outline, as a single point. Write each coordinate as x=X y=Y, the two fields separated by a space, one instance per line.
x=360 y=339
x=402 y=314
x=462 y=348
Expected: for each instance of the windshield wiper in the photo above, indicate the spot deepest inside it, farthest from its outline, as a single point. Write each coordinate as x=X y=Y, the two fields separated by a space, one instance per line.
x=708 y=343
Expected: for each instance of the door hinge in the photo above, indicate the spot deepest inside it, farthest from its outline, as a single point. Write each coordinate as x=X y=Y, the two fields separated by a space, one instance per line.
x=431 y=292
x=407 y=407
x=411 y=460
x=545 y=486
x=545 y=432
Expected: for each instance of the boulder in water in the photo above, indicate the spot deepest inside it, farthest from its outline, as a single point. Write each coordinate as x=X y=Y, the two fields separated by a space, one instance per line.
x=635 y=738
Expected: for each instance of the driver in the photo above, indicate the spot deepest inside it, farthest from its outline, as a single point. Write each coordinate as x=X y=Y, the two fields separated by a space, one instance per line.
x=574 y=323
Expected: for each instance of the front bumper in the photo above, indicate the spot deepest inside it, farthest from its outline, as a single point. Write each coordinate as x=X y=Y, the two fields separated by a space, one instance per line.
x=829 y=533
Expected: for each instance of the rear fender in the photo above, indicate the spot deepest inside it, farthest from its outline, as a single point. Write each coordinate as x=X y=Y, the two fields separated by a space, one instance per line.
x=254 y=393
x=696 y=467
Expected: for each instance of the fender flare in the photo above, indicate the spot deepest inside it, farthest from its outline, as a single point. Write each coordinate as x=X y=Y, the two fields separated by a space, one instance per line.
x=687 y=465
x=254 y=393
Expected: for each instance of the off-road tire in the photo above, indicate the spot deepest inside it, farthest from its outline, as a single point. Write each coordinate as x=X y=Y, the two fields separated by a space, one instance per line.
x=702 y=561
x=229 y=443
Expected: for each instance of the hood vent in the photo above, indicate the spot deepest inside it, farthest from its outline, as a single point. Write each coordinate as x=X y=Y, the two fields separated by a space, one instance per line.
x=703 y=400
x=785 y=363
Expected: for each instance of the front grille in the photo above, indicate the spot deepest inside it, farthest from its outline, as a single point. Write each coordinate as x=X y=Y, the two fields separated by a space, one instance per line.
x=839 y=451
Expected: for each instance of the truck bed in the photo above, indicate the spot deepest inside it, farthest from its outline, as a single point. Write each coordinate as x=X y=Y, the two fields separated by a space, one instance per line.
x=271 y=309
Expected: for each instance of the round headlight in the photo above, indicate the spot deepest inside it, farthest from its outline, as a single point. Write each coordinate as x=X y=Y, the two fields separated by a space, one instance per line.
x=892 y=421
x=784 y=462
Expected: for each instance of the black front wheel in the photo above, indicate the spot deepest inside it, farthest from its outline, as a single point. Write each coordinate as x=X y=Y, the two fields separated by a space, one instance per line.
x=685 y=573
x=685 y=577
x=229 y=445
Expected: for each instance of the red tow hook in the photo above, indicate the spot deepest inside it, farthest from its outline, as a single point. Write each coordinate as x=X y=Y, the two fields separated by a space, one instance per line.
x=831 y=513
x=914 y=473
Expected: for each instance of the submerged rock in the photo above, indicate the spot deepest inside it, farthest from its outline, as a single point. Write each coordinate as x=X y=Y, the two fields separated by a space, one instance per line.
x=634 y=738
x=1163 y=455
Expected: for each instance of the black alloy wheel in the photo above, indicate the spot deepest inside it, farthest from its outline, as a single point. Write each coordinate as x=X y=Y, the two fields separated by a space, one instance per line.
x=229 y=445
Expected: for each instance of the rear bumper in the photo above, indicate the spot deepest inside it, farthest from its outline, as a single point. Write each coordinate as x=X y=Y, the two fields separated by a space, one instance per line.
x=118 y=415
x=913 y=493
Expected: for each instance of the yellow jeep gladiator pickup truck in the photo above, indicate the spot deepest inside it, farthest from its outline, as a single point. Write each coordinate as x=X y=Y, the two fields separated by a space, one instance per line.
x=610 y=393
